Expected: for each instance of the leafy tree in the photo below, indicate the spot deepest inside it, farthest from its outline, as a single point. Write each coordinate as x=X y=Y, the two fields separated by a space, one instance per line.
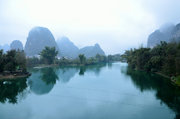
x=10 y=62
x=20 y=59
x=82 y=58
x=100 y=58
x=48 y=55
x=154 y=63
x=91 y=60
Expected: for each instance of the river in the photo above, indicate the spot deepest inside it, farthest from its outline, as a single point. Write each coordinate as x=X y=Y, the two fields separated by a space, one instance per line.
x=104 y=91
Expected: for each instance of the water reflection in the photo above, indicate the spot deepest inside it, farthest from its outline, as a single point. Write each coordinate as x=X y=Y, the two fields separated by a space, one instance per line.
x=49 y=76
x=66 y=73
x=10 y=90
x=165 y=91
x=105 y=93
x=96 y=69
x=42 y=81
x=109 y=65
x=82 y=70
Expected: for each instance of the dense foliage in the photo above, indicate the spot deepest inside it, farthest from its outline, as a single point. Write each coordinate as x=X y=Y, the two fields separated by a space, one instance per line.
x=48 y=55
x=116 y=57
x=12 y=61
x=164 y=58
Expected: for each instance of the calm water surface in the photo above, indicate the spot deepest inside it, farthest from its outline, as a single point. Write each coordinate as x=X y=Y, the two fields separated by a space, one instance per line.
x=106 y=91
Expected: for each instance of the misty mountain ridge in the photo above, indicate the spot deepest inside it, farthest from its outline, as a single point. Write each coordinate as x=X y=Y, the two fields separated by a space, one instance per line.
x=40 y=37
x=69 y=50
x=5 y=47
x=91 y=51
x=16 y=45
x=167 y=33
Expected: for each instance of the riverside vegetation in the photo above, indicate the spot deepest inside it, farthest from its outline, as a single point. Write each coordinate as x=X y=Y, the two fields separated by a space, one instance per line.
x=48 y=57
x=163 y=59
x=13 y=64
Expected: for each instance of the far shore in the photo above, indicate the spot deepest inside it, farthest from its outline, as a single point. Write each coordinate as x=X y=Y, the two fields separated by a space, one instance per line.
x=57 y=65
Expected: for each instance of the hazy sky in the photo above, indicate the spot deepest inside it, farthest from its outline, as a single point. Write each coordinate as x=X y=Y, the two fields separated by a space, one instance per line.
x=115 y=24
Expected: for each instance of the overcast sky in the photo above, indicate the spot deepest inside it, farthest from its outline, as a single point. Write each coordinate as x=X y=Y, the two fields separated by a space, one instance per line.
x=116 y=25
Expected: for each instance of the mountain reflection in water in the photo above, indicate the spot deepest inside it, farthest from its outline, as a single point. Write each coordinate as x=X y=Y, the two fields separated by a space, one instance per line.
x=98 y=82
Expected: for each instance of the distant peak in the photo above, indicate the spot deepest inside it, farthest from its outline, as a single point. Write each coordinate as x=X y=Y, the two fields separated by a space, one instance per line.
x=97 y=45
x=64 y=38
x=157 y=31
x=39 y=29
x=166 y=27
x=178 y=26
x=16 y=41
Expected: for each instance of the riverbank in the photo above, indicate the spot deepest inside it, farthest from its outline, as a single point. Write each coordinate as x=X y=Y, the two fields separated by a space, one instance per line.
x=44 y=66
x=165 y=76
x=39 y=66
x=14 y=75
x=54 y=65
x=174 y=80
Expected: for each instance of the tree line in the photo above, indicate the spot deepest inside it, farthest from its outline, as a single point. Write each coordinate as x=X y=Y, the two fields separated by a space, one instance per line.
x=49 y=56
x=164 y=58
x=16 y=60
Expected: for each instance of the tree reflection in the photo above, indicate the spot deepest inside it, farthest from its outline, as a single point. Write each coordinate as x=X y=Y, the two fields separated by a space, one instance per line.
x=42 y=81
x=10 y=90
x=48 y=75
x=65 y=73
x=165 y=91
x=91 y=68
x=82 y=70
